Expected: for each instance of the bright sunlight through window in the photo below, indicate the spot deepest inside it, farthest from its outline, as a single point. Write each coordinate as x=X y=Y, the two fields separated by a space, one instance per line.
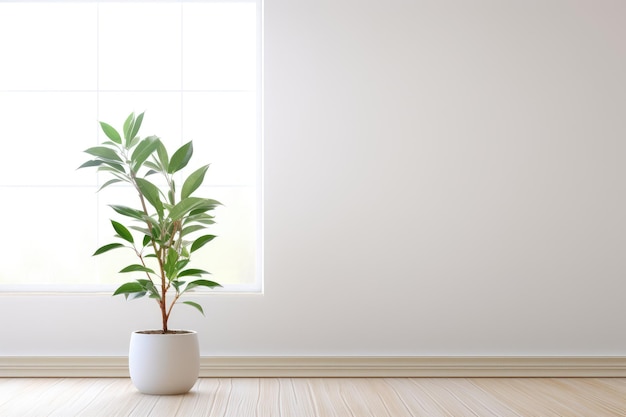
x=193 y=67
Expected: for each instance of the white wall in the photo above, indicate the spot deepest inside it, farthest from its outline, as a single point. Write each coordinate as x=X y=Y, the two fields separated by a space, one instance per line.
x=442 y=178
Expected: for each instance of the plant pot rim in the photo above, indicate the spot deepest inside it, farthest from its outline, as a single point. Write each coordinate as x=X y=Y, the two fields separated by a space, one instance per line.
x=159 y=332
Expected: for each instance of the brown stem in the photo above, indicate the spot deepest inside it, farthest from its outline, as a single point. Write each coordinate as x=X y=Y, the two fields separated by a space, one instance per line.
x=169 y=311
x=159 y=253
x=164 y=315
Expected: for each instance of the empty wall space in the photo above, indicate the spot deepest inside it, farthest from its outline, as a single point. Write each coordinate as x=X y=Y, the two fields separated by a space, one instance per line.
x=441 y=178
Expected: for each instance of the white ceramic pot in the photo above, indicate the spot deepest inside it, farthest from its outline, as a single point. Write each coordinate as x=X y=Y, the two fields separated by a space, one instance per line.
x=164 y=364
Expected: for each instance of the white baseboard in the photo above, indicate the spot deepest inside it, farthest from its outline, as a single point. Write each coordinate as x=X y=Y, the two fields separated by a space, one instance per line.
x=269 y=366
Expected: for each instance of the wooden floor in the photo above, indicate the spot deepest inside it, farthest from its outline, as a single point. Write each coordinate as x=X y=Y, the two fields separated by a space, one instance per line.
x=302 y=397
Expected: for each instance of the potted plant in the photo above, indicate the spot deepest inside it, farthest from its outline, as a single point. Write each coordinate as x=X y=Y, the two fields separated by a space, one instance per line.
x=167 y=228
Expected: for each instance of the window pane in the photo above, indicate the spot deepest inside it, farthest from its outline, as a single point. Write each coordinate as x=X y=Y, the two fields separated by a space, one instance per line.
x=227 y=33
x=48 y=46
x=34 y=131
x=139 y=46
x=48 y=238
x=223 y=127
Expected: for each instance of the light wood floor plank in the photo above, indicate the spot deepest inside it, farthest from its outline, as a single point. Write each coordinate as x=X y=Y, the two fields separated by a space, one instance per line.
x=478 y=403
x=390 y=398
x=323 y=397
x=597 y=392
x=328 y=401
x=525 y=402
x=298 y=398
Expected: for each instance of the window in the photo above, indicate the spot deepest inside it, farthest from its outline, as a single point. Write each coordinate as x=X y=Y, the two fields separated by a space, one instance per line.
x=194 y=67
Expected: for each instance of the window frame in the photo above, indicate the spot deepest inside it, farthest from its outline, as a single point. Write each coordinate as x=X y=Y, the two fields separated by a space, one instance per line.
x=258 y=283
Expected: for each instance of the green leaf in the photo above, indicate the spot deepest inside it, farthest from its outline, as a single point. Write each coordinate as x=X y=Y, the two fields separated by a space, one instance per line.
x=108 y=166
x=201 y=241
x=181 y=264
x=181 y=158
x=115 y=165
x=209 y=204
x=156 y=229
x=111 y=133
x=144 y=149
x=133 y=142
x=150 y=287
x=143 y=230
x=91 y=163
x=128 y=127
x=170 y=263
x=136 y=268
x=177 y=284
x=201 y=283
x=128 y=212
x=107 y=248
x=193 y=228
x=192 y=272
x=146 y=240
x=104 y=153
x=151 y=193
x=196 y=305
x=201 y=218
x=129 y=288
x=109 y=182
x=135 y=295
x=163 y=157
x=122 y=231
x=136 y=126
x=193 y=181
x=155 y=167
x=187 y=205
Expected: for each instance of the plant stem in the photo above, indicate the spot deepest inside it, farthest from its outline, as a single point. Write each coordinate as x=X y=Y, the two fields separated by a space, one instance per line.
x=169 y=311
x=161 y=261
